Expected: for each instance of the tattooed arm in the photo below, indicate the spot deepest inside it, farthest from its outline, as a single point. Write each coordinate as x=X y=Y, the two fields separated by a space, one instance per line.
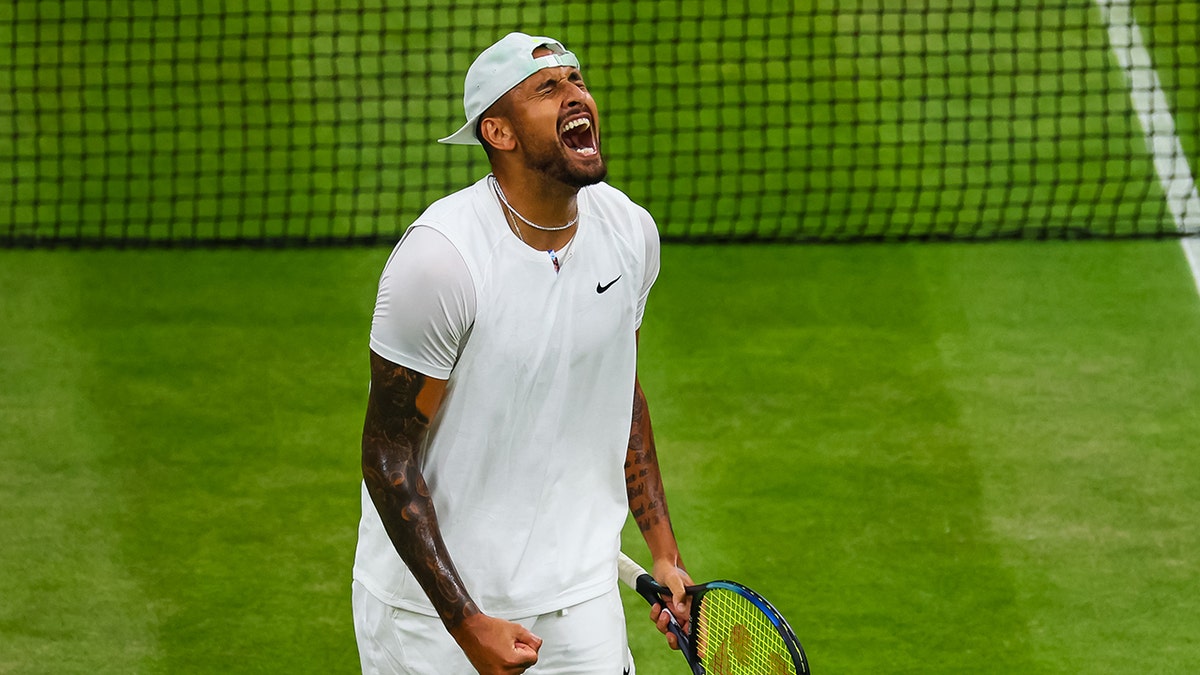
x=644 y=486
x=399 y=408
x=648 y=504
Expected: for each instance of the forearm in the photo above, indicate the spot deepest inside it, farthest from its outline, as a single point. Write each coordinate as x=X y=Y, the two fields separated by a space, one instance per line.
x=644 y=485
x=402 y=500
x=394 y=428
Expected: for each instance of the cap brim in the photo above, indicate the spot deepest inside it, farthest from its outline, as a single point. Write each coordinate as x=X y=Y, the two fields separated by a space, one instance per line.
x=464 y=136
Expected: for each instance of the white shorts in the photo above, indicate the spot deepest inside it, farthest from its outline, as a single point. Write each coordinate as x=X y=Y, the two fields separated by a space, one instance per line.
x=587 y=639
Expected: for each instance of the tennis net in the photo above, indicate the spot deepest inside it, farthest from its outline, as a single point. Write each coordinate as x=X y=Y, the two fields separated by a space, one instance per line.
x=201 y=122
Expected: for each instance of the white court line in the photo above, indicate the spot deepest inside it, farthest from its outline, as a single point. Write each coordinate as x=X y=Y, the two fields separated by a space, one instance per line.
x=1191 y=250
x=1150 y=103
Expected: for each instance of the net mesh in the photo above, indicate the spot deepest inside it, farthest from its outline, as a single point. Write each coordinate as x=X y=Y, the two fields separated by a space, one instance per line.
x=180 y=122
x=734 y=637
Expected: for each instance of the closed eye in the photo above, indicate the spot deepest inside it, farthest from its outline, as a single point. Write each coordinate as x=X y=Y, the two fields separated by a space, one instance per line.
x=550 y=84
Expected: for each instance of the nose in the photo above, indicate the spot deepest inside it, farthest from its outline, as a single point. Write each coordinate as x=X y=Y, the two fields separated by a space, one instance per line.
x=574 y=97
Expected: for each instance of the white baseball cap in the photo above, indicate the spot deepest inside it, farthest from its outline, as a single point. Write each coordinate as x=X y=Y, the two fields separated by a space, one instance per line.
x=498 y=69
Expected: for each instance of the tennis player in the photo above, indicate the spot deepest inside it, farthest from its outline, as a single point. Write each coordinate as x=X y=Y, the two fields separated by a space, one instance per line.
x=506 y=437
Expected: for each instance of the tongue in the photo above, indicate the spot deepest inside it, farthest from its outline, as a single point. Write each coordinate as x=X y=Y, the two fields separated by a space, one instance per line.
x=579 y=137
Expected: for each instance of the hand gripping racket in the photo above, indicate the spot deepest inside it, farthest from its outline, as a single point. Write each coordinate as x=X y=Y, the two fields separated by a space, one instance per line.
x=733 y=630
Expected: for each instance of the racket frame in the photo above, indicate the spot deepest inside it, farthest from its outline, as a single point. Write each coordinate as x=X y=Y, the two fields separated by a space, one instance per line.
x=640 y=581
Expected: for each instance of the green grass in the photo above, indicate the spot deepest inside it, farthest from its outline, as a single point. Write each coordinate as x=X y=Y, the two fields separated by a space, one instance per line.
x=949 y=459
x=179 y=459
x=933 y=459
x=965 y=459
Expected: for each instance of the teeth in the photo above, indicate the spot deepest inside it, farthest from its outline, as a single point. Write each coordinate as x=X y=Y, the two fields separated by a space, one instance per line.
x=580 y=122
x=587 y=152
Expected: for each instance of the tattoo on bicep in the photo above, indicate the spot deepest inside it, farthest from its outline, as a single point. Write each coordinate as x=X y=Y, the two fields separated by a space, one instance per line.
x=393 y=415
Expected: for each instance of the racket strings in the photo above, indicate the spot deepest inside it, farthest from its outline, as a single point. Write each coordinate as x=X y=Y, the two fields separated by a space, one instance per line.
x=734 y=637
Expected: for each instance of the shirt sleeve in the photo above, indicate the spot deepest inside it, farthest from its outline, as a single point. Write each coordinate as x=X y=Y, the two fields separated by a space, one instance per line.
x=425 y=304
x=652 y=260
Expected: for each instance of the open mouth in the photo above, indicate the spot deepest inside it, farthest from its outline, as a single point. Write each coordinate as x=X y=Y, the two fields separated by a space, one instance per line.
x=580 y=136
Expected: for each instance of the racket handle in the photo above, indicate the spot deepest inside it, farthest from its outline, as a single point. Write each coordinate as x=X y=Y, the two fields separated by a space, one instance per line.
x=639 y=580
x=628 y=570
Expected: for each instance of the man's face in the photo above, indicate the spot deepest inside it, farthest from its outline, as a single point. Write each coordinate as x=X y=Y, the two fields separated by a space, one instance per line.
x=557 y=126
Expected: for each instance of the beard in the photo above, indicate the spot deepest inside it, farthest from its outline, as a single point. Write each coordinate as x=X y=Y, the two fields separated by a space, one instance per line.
x=549 y=160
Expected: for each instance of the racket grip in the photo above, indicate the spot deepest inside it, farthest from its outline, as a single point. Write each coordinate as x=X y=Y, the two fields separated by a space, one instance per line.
x=640 y=581
x=652 y=591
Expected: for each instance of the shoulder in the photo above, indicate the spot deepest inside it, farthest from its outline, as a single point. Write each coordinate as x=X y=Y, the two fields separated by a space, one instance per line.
x=424 y=258
x=622 y=212
x=468 y=220
x=616 y=205
x=605 y=194
x=463 y=206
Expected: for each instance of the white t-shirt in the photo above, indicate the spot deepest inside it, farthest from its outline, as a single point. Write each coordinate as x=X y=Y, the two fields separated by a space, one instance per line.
x=525 y=457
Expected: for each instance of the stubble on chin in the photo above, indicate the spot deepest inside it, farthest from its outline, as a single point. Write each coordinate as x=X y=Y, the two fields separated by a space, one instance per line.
x=550 y=161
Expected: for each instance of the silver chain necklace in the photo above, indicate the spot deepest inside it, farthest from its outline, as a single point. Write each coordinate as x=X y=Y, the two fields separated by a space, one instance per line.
x=504 y=200
x=513 y=224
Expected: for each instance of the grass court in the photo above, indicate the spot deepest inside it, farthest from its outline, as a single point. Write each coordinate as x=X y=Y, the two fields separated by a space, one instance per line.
x=956 y=458
x=936 y=459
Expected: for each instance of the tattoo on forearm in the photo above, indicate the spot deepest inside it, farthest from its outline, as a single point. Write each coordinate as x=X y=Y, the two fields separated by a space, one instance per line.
x=392 y=436
x=643 y=482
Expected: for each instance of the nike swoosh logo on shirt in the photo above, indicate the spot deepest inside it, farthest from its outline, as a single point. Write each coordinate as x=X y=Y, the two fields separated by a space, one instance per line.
x=605 y=287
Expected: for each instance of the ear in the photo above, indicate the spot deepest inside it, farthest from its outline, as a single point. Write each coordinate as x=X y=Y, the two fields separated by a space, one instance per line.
x=498 y=132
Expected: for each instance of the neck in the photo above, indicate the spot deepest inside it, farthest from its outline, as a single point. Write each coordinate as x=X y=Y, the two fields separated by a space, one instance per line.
x=546 y=202
x=545 y=208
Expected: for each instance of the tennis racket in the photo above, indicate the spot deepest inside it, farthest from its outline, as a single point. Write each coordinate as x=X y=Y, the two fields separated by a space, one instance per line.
x=733 y=630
